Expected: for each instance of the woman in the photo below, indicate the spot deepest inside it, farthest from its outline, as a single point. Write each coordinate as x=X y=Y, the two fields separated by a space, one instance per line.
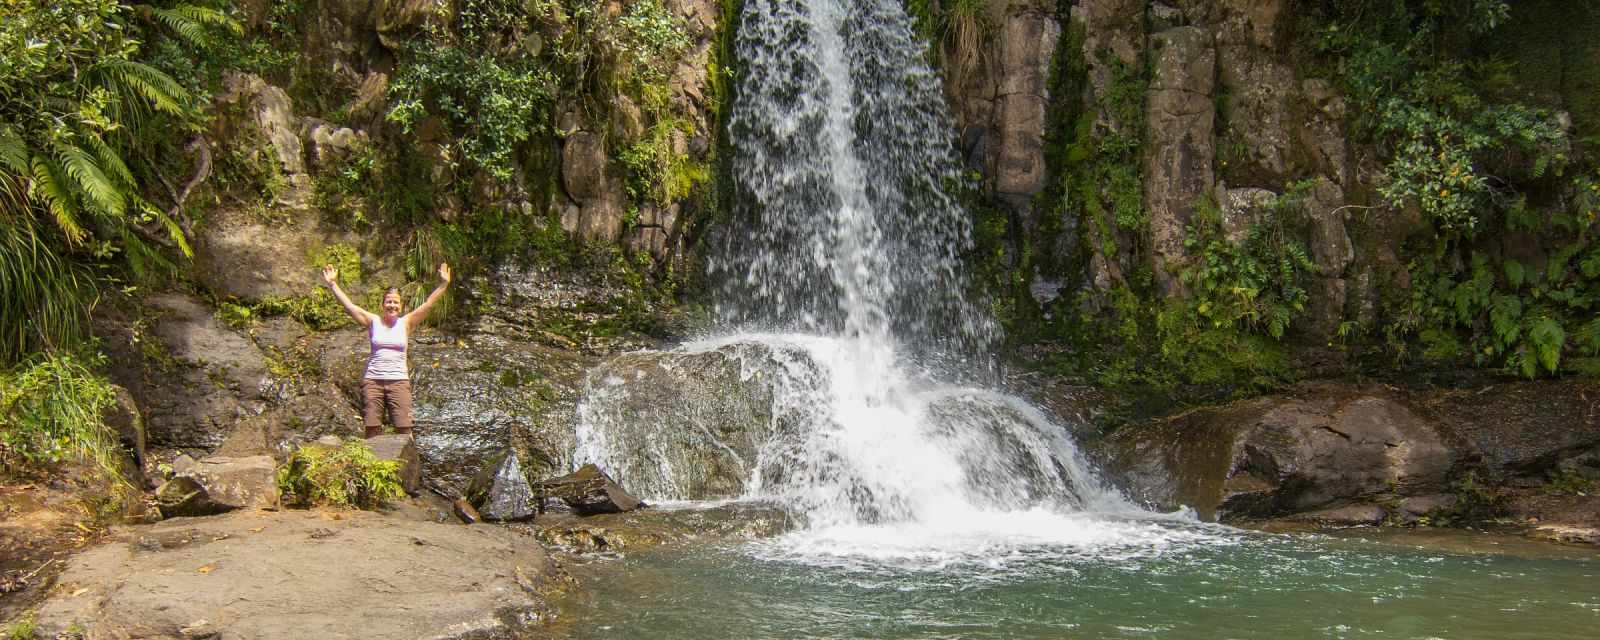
x=387 y=383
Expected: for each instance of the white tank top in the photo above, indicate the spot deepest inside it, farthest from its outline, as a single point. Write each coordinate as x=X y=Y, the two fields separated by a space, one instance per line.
x=388 y=361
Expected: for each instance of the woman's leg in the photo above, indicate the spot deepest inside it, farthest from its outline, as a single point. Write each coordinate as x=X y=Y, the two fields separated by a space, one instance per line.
x=399 y=400
x=372 y=396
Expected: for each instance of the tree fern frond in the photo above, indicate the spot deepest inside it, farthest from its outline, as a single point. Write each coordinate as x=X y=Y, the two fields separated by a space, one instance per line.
x=112 y=163
x=13 y=151
x=86 y=172
x=134 y=80
x=189 y=22
x=52 y=189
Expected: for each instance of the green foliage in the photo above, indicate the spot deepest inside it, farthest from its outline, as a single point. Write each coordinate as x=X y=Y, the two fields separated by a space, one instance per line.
x=491 y=105
x=658 y=172
x=1476 y=502
x=1432 y=110
x=1255 y=285
x=1570 y=483
x=349 y=475
x=22 y=629
x=82 y=101
x=1464 y=150
x=1492 y=309
x=51 y=411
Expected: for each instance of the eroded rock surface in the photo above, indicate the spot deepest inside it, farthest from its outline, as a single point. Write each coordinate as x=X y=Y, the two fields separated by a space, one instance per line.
x=300 y=574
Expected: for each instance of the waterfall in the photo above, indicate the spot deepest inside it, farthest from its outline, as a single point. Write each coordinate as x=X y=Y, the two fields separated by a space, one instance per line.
x=836 y=387
x=842 y=158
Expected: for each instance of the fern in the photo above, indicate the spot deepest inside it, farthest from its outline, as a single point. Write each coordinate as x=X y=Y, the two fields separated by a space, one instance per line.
x=111 y=162
x=1547 y=337
x=191 y=22
x=86 y=172
x=142 y=84
x=13 y=150
x=49 y=185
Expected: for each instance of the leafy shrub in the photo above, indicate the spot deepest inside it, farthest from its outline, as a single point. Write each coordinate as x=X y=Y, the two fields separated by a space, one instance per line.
x=345 y=476
x=51 y=411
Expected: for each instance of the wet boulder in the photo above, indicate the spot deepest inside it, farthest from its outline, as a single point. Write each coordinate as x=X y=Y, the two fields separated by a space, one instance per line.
x=690 y=425
x=500 y=492
x=589 y=491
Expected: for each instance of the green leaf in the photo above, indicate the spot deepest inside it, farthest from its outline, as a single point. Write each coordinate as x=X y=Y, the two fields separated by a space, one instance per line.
x=13 y=150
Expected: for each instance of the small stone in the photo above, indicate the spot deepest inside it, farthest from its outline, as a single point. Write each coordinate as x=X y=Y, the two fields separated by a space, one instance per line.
x=465 y=511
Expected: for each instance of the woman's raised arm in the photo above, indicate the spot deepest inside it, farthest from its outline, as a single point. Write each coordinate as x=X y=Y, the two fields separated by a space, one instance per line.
x=330 y=276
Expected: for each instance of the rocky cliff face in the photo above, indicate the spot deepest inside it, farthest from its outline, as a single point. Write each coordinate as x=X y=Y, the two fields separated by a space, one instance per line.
x=1109 y=122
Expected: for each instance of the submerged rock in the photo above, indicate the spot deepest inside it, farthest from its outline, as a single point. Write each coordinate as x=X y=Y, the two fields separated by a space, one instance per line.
x=500 y=491
x=589 y=491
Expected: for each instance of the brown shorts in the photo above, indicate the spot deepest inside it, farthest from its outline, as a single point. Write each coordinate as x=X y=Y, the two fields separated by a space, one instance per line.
x=395 y=395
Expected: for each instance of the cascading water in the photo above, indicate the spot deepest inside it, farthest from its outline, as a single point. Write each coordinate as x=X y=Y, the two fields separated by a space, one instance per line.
x=847 y=324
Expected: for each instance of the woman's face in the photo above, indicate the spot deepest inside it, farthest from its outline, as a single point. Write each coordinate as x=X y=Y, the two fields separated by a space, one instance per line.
x=391 y=305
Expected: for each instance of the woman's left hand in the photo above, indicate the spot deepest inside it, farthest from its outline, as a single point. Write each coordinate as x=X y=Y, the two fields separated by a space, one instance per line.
x=444 y=271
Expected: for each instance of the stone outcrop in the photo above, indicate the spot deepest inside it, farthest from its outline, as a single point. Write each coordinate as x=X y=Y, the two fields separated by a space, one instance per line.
x=1332 y=453
x=1180 y=111
x=689 y=422
x=233 y=483
x=403 y=450
x=298 y=574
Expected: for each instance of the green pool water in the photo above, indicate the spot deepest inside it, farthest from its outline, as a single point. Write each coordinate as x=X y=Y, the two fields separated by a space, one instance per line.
x=1155 y=579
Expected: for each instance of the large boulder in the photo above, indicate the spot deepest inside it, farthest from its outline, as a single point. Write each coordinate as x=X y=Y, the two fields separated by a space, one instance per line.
x=1320 y=448
x=683 y=425
x=1316 y=449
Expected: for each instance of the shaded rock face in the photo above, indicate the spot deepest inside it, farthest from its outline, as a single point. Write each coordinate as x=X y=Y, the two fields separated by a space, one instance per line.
x=203 y=385
x=1179 y=142
x=1282 y=455
x=1322 y=448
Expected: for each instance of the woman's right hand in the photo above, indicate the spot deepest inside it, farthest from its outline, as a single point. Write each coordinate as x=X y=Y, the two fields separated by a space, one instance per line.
x=330 y=275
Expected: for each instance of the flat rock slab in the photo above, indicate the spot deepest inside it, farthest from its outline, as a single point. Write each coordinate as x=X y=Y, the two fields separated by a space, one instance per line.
x=306 y=574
